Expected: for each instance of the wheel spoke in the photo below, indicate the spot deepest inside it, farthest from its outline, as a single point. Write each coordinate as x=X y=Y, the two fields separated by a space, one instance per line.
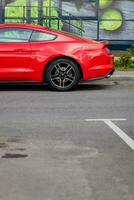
x=55 y=76
x=70 y=78
x=68 y=68
x=57 y=67
x=60 y=83
x=63 y=83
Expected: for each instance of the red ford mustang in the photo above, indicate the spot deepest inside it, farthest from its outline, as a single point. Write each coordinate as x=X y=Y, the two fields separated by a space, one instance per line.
x=38 y=54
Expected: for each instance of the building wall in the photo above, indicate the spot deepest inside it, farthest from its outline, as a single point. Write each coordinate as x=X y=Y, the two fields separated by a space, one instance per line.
x=116 y=17
x=101 y=19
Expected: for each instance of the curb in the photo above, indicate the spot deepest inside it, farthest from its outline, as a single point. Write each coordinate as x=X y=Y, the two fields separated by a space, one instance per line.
x=122 y=76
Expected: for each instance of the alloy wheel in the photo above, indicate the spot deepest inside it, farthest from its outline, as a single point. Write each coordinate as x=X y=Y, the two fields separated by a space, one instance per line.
x=62 y=75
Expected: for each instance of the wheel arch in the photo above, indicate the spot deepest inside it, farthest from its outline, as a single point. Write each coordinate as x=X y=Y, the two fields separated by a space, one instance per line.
x=58 y=57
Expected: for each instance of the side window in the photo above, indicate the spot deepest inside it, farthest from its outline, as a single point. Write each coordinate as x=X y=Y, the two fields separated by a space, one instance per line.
x=38 y=36
x=15 y=35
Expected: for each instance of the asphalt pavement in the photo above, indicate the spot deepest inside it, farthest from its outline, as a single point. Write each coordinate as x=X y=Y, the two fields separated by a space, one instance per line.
x=75 y=145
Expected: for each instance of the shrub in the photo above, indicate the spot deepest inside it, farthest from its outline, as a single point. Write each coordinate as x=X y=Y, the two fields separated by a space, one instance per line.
x=126 y=60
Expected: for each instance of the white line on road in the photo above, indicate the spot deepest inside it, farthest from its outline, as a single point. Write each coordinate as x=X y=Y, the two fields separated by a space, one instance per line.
x=121 y=134
x=117 y=130
x=96 y=120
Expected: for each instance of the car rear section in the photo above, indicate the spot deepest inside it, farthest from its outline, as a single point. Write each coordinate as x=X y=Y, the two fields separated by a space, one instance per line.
x=94 y=57
x=97 y=62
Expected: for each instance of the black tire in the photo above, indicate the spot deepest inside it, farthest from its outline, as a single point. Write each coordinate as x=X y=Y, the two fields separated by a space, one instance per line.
x=62 y=74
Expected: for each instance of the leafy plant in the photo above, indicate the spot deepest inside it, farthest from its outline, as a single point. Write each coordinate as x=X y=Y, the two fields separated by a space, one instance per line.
x=126 y=60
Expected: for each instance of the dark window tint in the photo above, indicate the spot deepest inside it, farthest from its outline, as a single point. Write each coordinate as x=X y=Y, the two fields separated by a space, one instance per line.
x=41 y=36
x=15 y=35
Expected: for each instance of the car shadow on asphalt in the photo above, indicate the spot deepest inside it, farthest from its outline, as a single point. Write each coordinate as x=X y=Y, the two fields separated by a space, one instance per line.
x=23 y=87
x=92 y=86
x=40 y=87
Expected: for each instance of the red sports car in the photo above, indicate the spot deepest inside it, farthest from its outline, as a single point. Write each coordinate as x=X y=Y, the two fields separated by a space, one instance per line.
x=38 y=54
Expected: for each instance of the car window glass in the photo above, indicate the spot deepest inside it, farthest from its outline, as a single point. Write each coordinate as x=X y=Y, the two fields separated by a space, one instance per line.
x=41 y=36
x=14 y=35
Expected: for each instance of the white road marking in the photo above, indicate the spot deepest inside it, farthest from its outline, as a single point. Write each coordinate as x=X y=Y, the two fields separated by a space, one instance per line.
x=116 y=129
x=121 y=134
x=112 y=119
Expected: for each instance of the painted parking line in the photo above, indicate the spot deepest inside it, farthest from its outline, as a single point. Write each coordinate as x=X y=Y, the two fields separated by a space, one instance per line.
x=129 y=141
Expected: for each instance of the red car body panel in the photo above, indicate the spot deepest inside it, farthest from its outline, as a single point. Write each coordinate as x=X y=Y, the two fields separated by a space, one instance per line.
x=26 y=61
x=14 y=62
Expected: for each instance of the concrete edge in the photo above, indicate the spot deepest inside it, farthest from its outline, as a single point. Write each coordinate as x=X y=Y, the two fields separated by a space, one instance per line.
x=122 y=76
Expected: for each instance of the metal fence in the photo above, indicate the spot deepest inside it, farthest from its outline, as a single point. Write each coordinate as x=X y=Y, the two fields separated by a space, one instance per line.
x=42 y=15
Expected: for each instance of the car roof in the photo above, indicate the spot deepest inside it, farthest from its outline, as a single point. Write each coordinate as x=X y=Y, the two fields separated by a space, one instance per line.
x=21 y=25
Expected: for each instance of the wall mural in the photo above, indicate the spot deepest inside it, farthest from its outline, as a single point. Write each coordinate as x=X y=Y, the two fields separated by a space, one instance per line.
x=116 y=17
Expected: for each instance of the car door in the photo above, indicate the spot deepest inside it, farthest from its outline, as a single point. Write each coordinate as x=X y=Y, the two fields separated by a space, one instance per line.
x=42 y=50
x=15 y=53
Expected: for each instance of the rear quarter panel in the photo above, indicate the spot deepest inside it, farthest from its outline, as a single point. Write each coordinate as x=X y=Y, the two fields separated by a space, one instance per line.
x=94 y=61
x=43 y=52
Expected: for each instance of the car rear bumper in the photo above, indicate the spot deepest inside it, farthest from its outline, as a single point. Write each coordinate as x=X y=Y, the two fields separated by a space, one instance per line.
x=110 y=73
x=99 y=68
